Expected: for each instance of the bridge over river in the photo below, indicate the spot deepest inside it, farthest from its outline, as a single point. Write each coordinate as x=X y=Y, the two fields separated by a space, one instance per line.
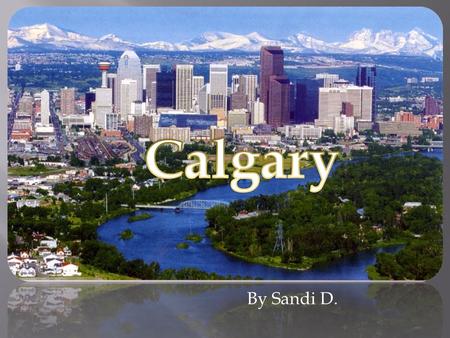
x=189 y=204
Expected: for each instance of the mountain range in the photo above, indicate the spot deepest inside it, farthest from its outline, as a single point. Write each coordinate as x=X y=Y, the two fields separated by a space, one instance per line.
x=365 y=41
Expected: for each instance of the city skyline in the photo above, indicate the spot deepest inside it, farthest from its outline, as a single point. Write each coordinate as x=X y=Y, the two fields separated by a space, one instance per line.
x=314 y=21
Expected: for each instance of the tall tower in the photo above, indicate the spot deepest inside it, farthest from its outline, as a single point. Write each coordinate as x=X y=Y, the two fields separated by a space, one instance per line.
x=272 y=78
x=45 y=107
x=165 y=89
x=272 y=64
x=149 y=83
x=234 y=83
x=67 y=101
x=218 y=79
x=129 y=68
x=366 y=76
x=183 y=92
x=278 y=112
x=248 y=85
x=128 y=95
x=104 y=67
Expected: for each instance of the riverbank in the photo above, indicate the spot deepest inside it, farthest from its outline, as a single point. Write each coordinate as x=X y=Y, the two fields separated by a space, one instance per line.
x=308 y=263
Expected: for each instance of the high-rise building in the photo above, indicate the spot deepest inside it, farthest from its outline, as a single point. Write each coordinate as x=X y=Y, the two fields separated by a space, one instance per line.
x=248 y=85
x=238 y=100
x=366 y=76
x=218 y=79
x=142 y=125
x=137 y=108
x=274 y=86
x=203 y=99
x=45 y=107
x=237 y=117
x=197 y=83
x=112 y=83
x=432 y=106
x=67 y=101
x=272 y=64
x=26 y=103
x=149 y=83
x=129 y=67
x=327 y=78
x=333 y=100
x=128 y=94
x=257 y=112
x=89 y=98
x=102 y=106
x=165 y=89
x=306 y=100
x=183 y=87
x=235 y=83
x=278 y=112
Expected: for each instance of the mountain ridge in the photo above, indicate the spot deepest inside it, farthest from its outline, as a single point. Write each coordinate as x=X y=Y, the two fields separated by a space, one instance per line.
x=416 y=42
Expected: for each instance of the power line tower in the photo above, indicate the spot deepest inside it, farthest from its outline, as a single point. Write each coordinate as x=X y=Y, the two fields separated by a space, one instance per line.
x=279 y=242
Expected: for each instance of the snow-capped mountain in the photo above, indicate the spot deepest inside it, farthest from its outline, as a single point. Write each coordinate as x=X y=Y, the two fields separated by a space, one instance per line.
x=364 y=41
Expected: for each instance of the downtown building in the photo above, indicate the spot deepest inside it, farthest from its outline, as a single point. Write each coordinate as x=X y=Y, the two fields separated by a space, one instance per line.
x=218 y=90
x=165 y=90
x=274 y=86
x=45 y=107
x=149 y=84
x=337 y=101
x=366 y=76
x=183 y=87
x=129 y=68
x=67 y=101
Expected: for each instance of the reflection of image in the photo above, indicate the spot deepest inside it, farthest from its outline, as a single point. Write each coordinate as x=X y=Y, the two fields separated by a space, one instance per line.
x=48 y=305
x=85 y=105
x=181 y=310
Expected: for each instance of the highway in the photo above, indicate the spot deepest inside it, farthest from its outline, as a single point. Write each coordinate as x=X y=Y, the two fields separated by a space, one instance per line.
x=139 y=149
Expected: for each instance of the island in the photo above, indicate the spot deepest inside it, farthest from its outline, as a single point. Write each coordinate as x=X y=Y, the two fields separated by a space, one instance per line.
x=139 y=217
x=126 y=235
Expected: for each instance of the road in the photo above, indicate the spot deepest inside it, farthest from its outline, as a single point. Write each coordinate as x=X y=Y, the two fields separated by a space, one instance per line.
x=140 y=150
x=12 y=113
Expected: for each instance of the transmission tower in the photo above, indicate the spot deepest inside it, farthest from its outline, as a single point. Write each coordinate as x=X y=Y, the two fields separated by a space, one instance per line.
x=279 y=243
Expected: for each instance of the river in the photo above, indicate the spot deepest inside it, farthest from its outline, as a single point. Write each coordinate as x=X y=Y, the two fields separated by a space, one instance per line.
x=155 y=239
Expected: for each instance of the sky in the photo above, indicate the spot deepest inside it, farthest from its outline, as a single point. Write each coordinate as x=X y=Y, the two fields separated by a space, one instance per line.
x=176 y=24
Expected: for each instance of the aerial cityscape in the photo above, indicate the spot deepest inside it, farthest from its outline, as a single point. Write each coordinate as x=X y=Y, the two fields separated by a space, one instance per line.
x=83 y=111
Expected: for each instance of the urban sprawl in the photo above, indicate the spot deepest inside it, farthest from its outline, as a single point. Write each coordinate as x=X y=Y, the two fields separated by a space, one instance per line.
x=52 y=132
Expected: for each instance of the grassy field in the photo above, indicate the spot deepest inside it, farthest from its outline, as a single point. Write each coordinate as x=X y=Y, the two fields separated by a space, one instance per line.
x=34 y=171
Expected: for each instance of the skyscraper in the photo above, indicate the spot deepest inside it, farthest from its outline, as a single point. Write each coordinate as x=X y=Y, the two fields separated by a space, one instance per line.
x=335 y=101
x=45 y=107
x=129 y=68
x=203 y=99
x=248 y=85
x=165 y=89
x=278 y=112
x=307 y=100
x=149 y=83
x=272 y=67
x=67 y=101
x=183 y=85
x=197 y=83
x=234 y=83
x=112 y=83
x=128 y=94
x=366 y=76
x=218 y=79
x=328 y=79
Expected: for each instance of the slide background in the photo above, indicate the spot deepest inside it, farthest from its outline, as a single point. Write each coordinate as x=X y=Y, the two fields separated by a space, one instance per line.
x=184 y=309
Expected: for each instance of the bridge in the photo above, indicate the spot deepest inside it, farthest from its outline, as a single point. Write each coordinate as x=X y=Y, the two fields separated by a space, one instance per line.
x=429 y=147
x=189 y=204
